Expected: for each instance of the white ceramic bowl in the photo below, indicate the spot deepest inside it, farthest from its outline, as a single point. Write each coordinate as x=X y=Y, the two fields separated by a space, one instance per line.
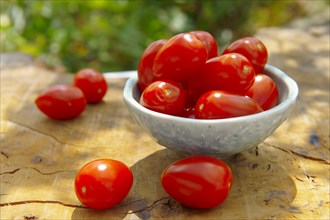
x=220 y=137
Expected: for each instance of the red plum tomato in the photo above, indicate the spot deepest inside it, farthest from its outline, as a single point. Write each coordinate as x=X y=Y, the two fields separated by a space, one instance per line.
x=92 y=83
x=103 y=183
x=166 y=97
x=61 y=102
x=188 y=112
x=264 y=92
x=222 y=104
x=209 y=42
x=145 y=73
x=230 y=72
x=181 y=57
x=253 y=49
x=201 y=182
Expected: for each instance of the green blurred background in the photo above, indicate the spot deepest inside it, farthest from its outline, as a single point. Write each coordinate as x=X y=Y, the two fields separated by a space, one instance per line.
x=110 y=35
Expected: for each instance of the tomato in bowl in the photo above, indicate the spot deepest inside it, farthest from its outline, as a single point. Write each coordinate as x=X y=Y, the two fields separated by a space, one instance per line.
x=221 y=138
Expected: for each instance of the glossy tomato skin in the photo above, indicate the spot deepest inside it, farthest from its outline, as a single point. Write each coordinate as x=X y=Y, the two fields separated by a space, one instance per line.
x=188 y=112
x=180 y=58
x=92 y=83
x=201 y=182
x=209 y=42
x=145 y=73
x=61 y=102
x=264 y=92
x=103 y=183
x=221 y=104
x=231 y=72
x=253 y=49
x=166 y=97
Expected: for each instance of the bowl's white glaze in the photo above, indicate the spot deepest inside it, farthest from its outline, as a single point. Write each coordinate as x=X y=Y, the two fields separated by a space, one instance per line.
x=221 y=137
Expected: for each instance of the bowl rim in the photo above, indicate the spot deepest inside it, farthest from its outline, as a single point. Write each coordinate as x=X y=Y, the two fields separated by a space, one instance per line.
x=292 y=86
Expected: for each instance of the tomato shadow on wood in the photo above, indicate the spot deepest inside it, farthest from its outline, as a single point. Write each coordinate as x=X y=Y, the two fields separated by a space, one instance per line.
x=259 y=184
x=146 y=192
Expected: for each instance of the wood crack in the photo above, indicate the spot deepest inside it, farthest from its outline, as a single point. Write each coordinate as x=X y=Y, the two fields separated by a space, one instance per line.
x=41 y=172
x=10 y=172
x=4 y=154
x=149 y=207
x=44 y=134
x=299 y=154
x=41 y=202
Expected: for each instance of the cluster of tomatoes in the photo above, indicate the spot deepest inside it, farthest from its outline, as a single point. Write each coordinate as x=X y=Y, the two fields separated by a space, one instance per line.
x=104 y=183
x=182 y=76
x=62 y=102
x=185 y=76
x=198 y=182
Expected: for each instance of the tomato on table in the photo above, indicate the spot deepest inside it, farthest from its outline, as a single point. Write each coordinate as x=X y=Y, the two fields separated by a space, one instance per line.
x=92 y=83
x=199 y=182
x=253 y=49
x=166 y=97
x=209 y=42
x=103 y=183
x=145 y=73
x=231 y=72
x=61 y=102
x=222 y=104
x=181 y=57
x=264 y=92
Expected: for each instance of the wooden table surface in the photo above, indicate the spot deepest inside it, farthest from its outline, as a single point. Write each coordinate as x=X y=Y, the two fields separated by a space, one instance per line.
x=285 y=177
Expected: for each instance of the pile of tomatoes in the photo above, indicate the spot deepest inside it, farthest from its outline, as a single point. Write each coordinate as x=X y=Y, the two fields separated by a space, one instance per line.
x=185 y=76
x=104 y=183
x=182 y=76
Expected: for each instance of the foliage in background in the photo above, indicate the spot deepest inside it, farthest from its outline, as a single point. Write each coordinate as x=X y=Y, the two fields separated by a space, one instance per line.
x=110 y=35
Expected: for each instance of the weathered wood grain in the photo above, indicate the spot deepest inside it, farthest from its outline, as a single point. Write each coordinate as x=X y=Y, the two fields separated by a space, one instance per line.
x=285 y=177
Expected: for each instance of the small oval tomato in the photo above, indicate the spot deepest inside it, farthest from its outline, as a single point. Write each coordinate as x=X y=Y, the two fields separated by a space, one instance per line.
x=198 y=182
x=264 y=92
x=180 y=58
x=221 y=104
x=61 y=102
x=167 y=97
x=145 y=73
x=103 y=183
x=253 y=49
x=92 y=83
x=230 y=72
x=209 y=42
